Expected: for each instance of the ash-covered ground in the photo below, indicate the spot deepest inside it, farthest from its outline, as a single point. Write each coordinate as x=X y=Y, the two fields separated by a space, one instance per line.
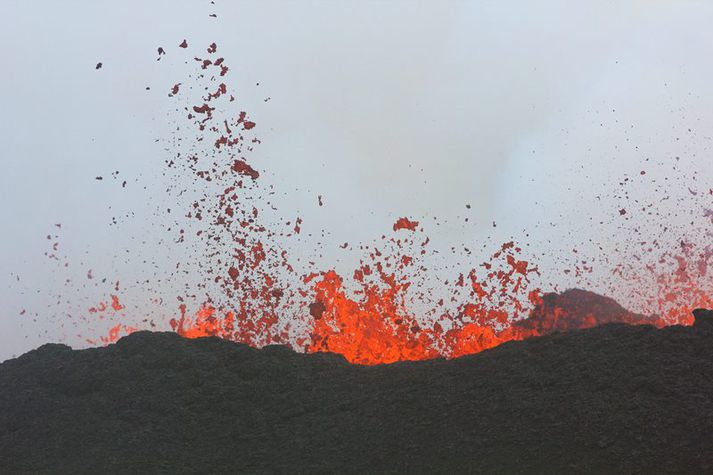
x=611 y=399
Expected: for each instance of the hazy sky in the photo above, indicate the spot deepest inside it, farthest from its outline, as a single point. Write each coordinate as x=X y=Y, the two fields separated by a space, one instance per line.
x=524 y=109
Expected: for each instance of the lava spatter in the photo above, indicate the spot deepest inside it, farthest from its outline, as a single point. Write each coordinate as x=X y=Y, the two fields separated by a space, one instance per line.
x=398 y=303
x=370 y=317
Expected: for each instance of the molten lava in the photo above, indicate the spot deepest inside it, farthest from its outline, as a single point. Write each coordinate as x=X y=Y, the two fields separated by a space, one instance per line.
x=386 y=310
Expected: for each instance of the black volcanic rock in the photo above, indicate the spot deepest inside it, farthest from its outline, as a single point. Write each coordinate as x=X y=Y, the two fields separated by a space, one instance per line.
x=703 y=316
x=612 y=399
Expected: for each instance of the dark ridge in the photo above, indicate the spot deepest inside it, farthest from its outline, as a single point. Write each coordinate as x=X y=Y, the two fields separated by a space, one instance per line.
x=612 y=399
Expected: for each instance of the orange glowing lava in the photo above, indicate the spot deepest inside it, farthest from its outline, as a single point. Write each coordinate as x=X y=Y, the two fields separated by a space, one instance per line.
x=386 y=310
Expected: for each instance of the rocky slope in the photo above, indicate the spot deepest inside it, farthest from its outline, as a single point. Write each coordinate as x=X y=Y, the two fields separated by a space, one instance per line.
x=610 y=399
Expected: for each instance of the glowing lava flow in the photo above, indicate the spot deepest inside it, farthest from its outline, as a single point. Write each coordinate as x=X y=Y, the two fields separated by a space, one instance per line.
x=378 y=327
x=384 y=312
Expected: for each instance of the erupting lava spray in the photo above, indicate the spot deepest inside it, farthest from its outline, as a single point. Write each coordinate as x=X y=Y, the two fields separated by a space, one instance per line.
x=395 y=305
x=369 y=317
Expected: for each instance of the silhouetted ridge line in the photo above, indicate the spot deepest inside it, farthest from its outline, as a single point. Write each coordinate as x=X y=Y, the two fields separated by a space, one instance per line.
x=610 y=399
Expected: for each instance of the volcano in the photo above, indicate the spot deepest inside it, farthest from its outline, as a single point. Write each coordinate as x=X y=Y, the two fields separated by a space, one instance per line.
x=242 y=264
x=611 y=399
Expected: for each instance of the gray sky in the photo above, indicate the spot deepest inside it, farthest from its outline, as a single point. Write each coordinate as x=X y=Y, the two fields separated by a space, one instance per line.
x=525 y=110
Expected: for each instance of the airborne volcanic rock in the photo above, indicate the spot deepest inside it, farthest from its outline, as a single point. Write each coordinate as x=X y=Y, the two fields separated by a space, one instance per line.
x=611 y=399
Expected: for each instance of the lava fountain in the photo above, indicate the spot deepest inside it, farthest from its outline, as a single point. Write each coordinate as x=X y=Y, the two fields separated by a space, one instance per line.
x=394 y=306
